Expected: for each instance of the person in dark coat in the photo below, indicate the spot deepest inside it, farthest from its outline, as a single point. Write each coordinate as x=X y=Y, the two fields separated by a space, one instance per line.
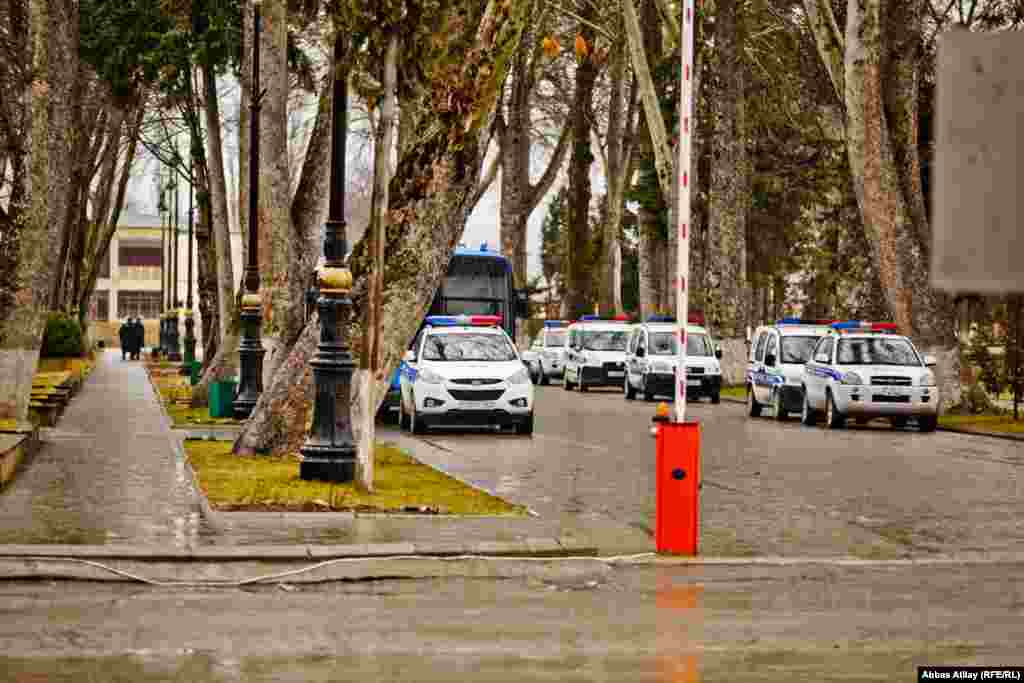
x=140 y=337
x=124 y=333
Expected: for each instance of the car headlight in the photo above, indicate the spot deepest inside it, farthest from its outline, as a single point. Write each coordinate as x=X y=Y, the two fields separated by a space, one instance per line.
x=429 y=377
x=927 y=379
x=851 y=378
x=520 y=377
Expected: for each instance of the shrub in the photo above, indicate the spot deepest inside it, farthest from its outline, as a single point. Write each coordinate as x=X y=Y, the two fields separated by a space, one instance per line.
x=63 y=336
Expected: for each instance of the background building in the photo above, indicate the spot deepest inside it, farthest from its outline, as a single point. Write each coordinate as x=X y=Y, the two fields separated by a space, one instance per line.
x=129 y=283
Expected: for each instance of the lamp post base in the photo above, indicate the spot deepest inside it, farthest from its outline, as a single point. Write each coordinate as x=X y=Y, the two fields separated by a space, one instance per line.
x=174 y=352
x=190 y=345
x=327 y=464
x=250 y=356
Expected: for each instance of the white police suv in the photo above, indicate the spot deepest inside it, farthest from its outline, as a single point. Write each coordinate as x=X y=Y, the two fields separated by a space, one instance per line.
x=595 y=352
x=652 y=358
x=775 y=369
x=550 y=349
x=464 y=370
x=866 y=370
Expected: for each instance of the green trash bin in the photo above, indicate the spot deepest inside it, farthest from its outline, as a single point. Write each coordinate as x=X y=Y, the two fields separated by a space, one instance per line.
x=222 y=398
x=196 y=374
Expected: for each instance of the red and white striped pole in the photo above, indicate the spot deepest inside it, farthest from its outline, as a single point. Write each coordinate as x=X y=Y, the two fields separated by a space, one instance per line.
x=683 y=208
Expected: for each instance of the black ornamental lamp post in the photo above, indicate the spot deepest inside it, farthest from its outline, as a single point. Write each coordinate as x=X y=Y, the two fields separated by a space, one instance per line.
x=190 y=323
x=329 y=452
x=174 y=351
x=162 y=209
x=250 y=348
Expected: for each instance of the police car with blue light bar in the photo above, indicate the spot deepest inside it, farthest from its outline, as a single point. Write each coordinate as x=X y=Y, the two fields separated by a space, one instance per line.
x=775 y=368
x=549 y=350
x=866 y=370
x=464 y=371
x=651 y=360
x=595 y=352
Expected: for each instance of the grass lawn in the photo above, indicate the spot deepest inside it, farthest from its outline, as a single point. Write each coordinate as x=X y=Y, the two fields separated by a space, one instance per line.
x=735 y=392
x=272 y=483
x=176 y=392
x=987 y=423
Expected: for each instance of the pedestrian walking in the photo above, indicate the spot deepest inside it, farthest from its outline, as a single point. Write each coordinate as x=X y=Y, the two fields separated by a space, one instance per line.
x=124 y=333
x=140 y=338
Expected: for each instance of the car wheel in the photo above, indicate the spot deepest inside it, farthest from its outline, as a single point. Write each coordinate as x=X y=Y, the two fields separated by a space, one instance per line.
x=526 y=427
x=753 y=407
x=833 y=418
x=566 y=384
x=898 y=422
x=808 y=415
x=927 y=423
x=779 y=407
x=416 y=425
x=582 y=387
x=648 y=396
x=629 y=390
x=716 y=398
x=544 y=380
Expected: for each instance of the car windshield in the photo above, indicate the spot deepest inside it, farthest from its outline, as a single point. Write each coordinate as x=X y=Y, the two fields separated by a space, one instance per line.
x=467 y=346
x=664 y=344
x=797 y=349
x=554 y=338
x=876 y=351
x=604 y=340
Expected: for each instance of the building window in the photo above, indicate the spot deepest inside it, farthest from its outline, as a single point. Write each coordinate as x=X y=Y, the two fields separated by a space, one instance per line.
x=137 y=262
x=101 y=306
x=138 y=305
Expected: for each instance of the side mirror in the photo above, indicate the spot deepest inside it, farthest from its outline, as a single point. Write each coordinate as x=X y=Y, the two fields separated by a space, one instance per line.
x=640 y=353
x=718 y=354
x=522 y=304
x=929 y=360
x=410 y=356
x=770 y=359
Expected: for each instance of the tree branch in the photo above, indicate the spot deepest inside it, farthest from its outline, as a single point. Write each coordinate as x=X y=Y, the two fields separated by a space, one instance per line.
x=486 y=181
x=829 y=41
x=536 y=192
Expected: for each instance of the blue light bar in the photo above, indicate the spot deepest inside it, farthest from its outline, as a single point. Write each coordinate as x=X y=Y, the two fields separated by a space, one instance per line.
x=661 y=319
x=622 y=318
x=556 y=323
x=442 y=320
x=803 y=321
x=851 y=325
x=483 y=246
x=586 y=318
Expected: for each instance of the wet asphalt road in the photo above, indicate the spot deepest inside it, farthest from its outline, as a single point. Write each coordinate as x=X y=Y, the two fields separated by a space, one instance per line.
x=770 y=488
x=583 y=623
x=109 y=474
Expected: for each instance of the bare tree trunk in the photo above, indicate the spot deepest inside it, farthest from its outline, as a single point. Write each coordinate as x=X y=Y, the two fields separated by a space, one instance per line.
x=244 y=151
x=619 y=124
x=727 y=290
x=518 y=196
x=580 y=281
x=370 y=366
x=276 y=252
x=40 y=220
x=219 y=206
x=647 y=257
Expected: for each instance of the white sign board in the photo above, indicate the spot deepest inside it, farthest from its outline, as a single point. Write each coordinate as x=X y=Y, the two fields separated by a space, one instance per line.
x=978 y=195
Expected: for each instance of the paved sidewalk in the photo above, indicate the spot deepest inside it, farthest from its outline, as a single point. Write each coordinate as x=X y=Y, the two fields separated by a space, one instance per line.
x=108 y=473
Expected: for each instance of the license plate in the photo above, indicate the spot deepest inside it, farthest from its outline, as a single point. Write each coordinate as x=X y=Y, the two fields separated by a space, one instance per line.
x=615 y=373
x=478 y=405
x=693 y=382
x=893 y=391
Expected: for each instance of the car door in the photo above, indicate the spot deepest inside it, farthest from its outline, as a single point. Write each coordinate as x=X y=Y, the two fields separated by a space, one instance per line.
x=640 y=358
x=408 y=373
x=759 y=381
x=772 y=370
x=815 y=373
x=634 y=336
x=570 y=354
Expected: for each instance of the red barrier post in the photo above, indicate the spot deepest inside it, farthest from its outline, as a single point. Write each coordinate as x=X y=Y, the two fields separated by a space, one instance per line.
x=678 y=481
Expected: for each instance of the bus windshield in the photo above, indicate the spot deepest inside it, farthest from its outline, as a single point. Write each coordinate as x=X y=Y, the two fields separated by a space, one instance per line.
x=477 y=286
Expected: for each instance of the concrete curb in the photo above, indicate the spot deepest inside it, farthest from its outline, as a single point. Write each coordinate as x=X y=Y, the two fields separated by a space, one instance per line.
x=954 y=430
